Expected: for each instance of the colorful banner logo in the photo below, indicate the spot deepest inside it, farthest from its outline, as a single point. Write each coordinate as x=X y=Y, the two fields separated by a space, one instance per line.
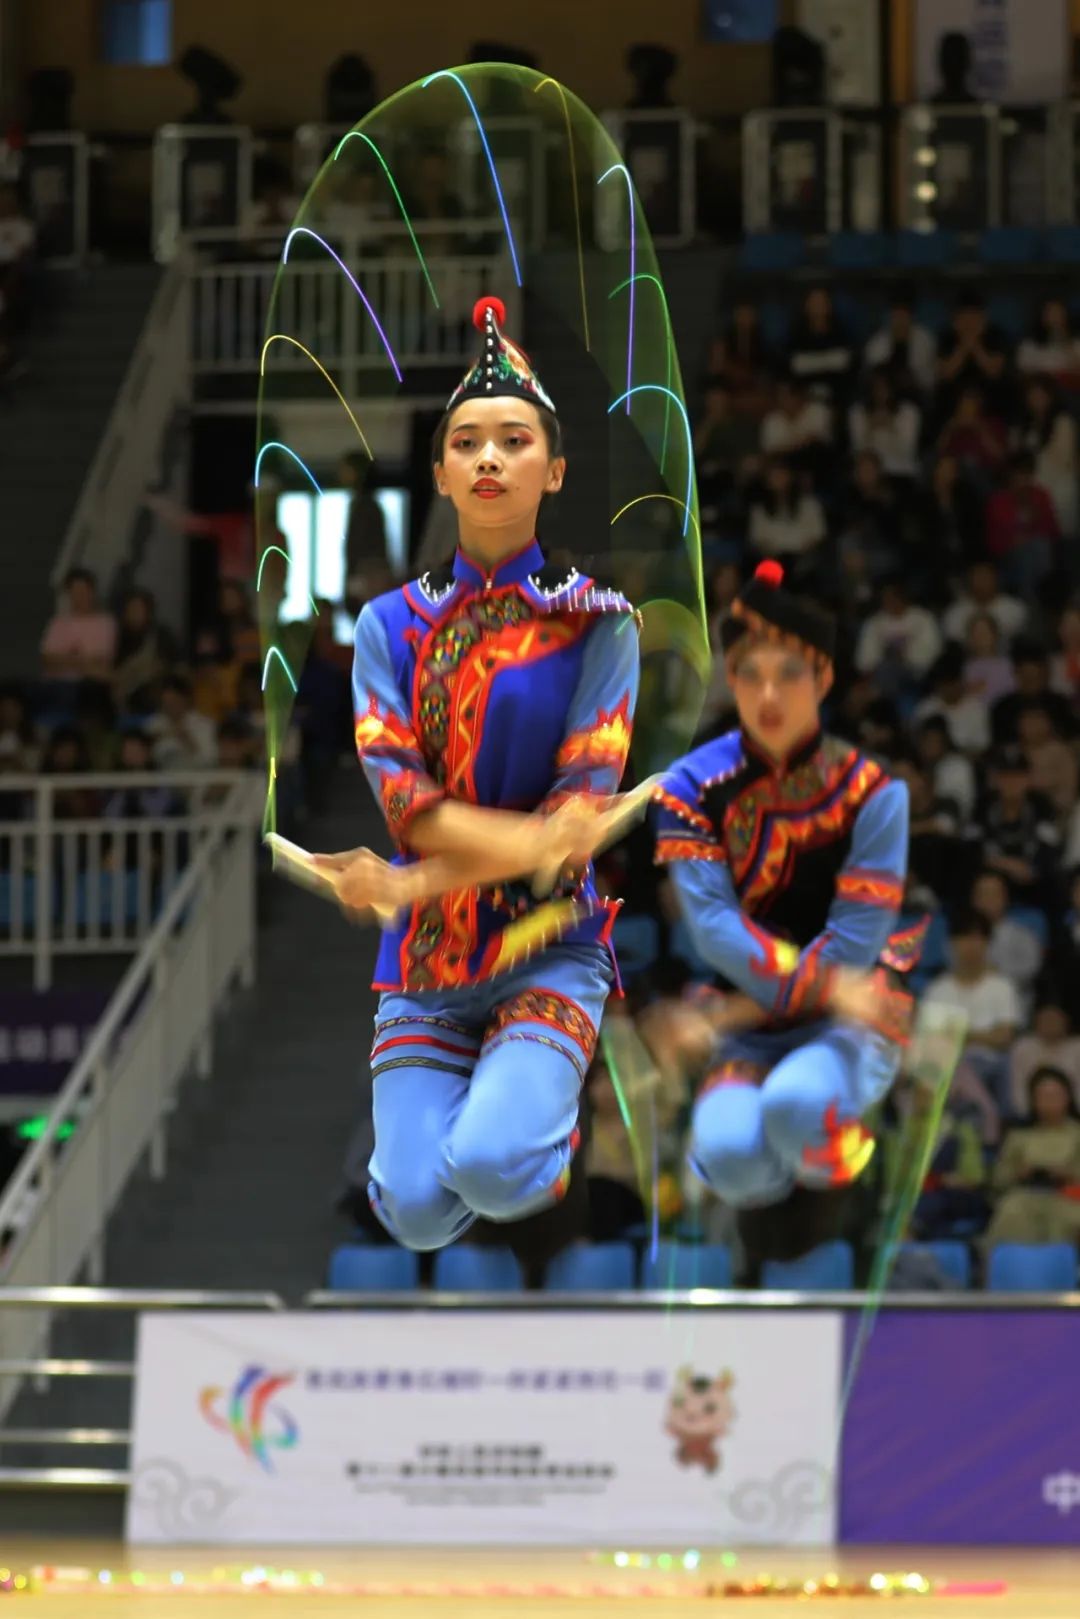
x=246 y=1413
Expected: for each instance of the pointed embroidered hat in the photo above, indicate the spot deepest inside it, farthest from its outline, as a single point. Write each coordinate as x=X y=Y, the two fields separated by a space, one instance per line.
x=501 y=367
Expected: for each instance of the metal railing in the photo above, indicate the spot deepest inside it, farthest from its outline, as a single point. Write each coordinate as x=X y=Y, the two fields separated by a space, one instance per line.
x=316 y=306
x=156 y=384
x=81 y=875
x=118 y=1479
x=158 y=1026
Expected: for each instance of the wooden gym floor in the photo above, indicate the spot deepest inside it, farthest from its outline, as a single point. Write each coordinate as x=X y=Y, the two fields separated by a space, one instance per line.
x=459 y=1585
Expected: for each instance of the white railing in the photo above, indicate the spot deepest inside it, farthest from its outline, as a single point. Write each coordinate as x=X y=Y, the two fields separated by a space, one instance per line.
x=79 y=876
x=156 y=384
x=158 y=1026
x=317 y=307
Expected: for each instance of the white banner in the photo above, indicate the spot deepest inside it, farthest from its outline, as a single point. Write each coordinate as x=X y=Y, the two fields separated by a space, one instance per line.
x=560 y=1428
x=1020 y=48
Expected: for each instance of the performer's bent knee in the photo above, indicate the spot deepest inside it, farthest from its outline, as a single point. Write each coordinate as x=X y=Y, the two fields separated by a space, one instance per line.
x=503 y=1181
x=421 y=1218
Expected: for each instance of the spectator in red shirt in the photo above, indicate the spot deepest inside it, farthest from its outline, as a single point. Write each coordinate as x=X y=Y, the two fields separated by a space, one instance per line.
x=1022 y=528
x=976 y=441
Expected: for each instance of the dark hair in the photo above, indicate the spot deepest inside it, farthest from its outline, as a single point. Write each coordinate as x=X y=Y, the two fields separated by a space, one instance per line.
x=1047 y=1071
x=80 y=576
x=968 y=922
x=177 y=683
x=549 y=422
x=1039 y=329
x=234 y=730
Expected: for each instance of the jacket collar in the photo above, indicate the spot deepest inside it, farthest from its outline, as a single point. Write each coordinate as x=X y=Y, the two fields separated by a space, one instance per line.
x=512 y=570
x=799 y=755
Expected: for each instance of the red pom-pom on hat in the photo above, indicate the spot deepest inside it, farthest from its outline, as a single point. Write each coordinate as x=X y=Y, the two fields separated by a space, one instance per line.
x=481 y=307
x=770 y=574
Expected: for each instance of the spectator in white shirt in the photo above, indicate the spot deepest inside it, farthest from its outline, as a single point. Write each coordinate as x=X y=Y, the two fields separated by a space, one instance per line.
x=988 y=672
x=1053 y=349
x=906 y=349
x=967 y=715
x=785 y=521
x=988 y=1000
x=183 y=739
x=898 y=643
x=1048 y=432
x=797 y=426
x=952 y=774
x=820 y=351
x=1051 y=1044
x=888 y=426
x=984 y=595
x=1015 y=949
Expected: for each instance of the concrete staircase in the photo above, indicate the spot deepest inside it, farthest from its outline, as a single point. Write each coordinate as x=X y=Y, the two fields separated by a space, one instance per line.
x=77 y=353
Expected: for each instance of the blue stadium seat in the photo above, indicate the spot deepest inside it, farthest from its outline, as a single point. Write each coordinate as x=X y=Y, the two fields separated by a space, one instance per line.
x=953 y=1258
x=772 y=251
x=464 y=1268
x=683 y=1265
x=599 y=1267
x=925 y=249
x=637 y=943
x=1009 y=244
x=1061 y=244
x=358 y=1268
x=859 y=250
x=829 y=1268
x=1032 y=1267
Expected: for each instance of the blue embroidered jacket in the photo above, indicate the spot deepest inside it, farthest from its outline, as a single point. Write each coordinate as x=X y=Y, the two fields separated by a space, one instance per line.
x=785 y=871
x=512 y=690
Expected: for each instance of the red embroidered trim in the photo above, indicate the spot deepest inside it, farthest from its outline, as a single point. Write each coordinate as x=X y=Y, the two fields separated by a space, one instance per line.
x=668 y=849
x=692 y=817
x=404 y=796
x=422 y=1040
x=843 y=1154
x=381 y=730
x=604 y=745
x=881 y=889
x=545 y=1006
x=903 y=949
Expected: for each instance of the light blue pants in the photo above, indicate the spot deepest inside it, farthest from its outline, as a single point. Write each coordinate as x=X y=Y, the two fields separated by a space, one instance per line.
x=476 y=1094
x=780 y=1109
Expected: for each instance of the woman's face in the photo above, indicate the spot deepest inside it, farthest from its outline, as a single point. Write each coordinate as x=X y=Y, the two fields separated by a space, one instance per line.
x=1038 y=399
x=65 y=756
x=982 y=637
x=744 y=317
x=1069 y=629
x=990 y=897
x=944 y=474
x=1055 y=317
x=778 y=479
x=1051 y=1024
x=881 y=394
x=969 y=408
x=1050 y=1100
x=1034 y=728
x=778 y=694
x=496 y=466
x=136 y=613
x=818 y=307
